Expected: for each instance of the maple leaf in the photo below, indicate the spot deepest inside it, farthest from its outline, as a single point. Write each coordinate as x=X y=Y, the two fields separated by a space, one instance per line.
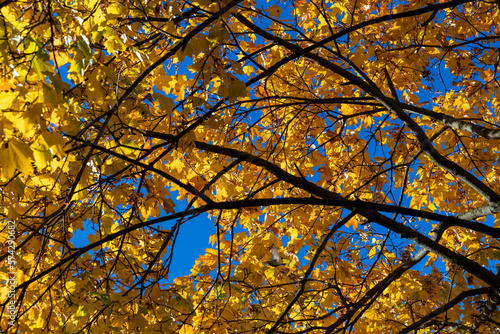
x=354 y=145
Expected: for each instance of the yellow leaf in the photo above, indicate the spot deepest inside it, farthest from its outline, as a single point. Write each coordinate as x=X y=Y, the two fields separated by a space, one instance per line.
x=82 y=311
x=22 y=155
x=94 y=237
x=115 y=9
x=114 y=44
x=42 y=155
x=91 y=4
x=6 y=99
x=202 y=3
x=487 y=75
x=6 y=162
x=166 y=103
x=275 y=11
x=80 y=193
x=217 y=33
x=248 y=70
x=168 y=205
x=373 y=251
x=236 y=89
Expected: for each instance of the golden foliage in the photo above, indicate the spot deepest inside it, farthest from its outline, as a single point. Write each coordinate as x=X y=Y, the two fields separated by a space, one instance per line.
x=359 y=139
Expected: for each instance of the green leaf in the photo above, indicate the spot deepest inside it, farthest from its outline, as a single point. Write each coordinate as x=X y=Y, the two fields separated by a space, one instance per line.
x=83 y=46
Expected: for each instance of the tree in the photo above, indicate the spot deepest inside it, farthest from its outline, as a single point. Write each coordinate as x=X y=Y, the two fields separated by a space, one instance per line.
x=359 y=139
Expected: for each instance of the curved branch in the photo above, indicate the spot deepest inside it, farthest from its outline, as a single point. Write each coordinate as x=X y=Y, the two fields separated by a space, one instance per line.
x=403 y=230
x=452 y=122
x=391 y=105
x=461 y=296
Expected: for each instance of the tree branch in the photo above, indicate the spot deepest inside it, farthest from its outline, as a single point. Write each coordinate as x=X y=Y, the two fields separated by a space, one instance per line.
x=391 y=105
x=461 y=296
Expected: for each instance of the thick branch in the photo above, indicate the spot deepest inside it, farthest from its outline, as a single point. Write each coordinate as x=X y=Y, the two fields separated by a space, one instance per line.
x=391 y=105
x=382 y=285
x=464 y=294
x=403 y=230
x=452 y=122
x=327 y=197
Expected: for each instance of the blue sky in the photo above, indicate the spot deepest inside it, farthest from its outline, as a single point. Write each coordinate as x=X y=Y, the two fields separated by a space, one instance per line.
x=193 y=236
